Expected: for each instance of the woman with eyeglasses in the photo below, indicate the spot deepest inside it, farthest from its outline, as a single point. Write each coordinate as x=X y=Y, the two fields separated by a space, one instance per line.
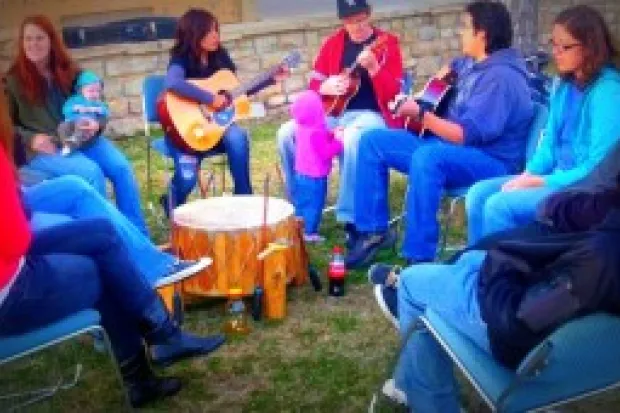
x=582 y=127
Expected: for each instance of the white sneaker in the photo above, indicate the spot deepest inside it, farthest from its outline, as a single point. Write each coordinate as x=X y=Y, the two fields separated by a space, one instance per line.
x=393 y=393
x=182 y=269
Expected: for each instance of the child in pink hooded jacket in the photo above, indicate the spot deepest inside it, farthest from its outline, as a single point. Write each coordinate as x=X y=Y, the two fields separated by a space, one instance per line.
x=315 y=147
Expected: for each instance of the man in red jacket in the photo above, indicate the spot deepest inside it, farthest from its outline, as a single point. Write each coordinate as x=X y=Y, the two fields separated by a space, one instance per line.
x=380 y=71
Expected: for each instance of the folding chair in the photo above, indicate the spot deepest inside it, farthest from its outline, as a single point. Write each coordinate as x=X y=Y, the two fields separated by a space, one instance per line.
x=16 y=347
x=578 y=360
x=457 y=195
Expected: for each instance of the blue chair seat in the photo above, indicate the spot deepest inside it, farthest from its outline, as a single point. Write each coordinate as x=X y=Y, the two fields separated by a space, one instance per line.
x=49 y=335
x=577 y=360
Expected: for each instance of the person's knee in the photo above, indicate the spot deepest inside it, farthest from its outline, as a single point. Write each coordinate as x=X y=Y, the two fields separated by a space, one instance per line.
x=73 y=185
x=475 y=198
x=496 y=208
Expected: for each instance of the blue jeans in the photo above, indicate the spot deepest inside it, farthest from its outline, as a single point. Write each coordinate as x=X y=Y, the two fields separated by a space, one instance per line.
x=234 y=144
x=66 y=272
x=432 y=166
x=310 y=200
x=424 y=371
x=489 y=210
x=96 y=161
x=356 y=122
x=59 y=200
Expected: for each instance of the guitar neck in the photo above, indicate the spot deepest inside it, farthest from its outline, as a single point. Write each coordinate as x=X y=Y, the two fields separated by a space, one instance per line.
x=254 y=83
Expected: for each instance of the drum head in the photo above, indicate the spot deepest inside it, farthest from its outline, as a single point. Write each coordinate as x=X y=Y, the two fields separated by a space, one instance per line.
x=231 y=213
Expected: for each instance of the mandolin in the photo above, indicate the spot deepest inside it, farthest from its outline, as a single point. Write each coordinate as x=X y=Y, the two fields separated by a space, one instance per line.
x=335 y=105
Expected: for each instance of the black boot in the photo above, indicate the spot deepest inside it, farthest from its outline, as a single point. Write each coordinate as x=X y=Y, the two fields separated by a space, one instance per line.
x=169 y=343
x=141 y=383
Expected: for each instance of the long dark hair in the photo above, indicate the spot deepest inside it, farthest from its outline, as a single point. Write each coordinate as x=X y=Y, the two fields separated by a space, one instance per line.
x=588 y=27
x=493 y=18
x=192 y=27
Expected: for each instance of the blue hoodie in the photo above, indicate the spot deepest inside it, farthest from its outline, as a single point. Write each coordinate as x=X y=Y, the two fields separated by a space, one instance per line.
x=493 y=105
x=596 y=131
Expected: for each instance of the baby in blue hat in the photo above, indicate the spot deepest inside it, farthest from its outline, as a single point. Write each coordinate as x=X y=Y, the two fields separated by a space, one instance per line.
x=87 y=103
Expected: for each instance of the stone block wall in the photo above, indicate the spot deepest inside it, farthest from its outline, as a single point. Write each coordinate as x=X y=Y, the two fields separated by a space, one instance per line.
x=549 y=9
x=428 y=40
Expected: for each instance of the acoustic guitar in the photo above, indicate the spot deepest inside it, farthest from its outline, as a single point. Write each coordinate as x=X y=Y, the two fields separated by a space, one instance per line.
x=335 y=105
x=196 y=127
x=433 y=96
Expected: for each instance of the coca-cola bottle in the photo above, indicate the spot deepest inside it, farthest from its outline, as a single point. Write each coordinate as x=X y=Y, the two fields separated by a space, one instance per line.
x=336 y=273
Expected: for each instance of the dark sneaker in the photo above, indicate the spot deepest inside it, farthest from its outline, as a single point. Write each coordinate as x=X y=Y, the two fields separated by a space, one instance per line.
x=387 y=298
x=366 y=248
x=184 y=345
x=384 y=274
x=180 y=270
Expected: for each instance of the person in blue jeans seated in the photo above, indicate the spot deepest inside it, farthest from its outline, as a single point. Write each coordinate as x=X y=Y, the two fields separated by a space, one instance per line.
x=86 y=104
x=38 y=84
x=67 y=198
x=482 y=135
x=316 y=147
x=380 y=74
x=482 y=303
x=198 y=53
x=79 y=265
x=583 y=126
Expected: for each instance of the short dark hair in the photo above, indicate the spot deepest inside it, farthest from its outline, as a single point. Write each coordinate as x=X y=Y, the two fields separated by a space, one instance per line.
x=493 y=18
x=588 y=27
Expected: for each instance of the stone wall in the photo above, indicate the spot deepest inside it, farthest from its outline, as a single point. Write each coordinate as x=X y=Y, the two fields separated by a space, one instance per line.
x=548 y=9
x=428 y=39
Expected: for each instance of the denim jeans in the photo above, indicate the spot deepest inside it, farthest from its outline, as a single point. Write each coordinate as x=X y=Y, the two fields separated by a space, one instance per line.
x=489 y=210
x=432 y=165
x=234 y=144
x=66 y=271
x=356 y=122
x=59 y=200
x=310 y=200
x=96 y=161
x=424 y=371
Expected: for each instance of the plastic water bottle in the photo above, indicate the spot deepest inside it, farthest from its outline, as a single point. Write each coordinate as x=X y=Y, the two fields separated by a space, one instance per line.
x=336 y=273
x=236 y=318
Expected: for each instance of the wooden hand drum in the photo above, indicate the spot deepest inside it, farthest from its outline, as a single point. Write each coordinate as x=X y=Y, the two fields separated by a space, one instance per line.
x=230 y=230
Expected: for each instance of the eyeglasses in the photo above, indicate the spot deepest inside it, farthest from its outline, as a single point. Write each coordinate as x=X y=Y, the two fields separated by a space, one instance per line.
x=561 y=48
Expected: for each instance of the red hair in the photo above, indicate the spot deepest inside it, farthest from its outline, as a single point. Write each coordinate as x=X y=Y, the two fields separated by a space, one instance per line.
x=6 y=127
x=62 y=67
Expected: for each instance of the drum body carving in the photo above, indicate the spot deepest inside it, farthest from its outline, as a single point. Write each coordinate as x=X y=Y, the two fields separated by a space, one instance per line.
x=232 y=232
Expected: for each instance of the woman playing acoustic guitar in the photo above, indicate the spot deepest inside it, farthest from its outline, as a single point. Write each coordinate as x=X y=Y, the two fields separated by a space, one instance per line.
x=198 y=53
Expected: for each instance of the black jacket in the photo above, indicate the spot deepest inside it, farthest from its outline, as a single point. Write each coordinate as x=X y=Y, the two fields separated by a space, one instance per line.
x=530 y=285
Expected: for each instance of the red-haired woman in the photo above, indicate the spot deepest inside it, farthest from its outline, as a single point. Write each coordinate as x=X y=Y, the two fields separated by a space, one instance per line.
x=56 y=272
x=37 y=85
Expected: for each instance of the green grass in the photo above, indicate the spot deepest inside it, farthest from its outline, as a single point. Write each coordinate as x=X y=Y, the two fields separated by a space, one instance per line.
x=327 y=355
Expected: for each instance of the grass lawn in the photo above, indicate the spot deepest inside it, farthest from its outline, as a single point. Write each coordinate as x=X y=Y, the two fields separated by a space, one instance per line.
x=328 y=355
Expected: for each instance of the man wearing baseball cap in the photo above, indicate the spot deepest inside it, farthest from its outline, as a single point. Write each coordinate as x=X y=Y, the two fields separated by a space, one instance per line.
x=380 y=72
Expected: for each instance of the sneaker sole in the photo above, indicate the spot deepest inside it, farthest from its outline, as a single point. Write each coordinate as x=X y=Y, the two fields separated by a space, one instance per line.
x=384 y=308
x=185 y=273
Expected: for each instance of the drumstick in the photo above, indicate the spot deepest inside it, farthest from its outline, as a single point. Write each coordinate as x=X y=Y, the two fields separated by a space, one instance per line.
x=287 y=196
x=264 y=226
